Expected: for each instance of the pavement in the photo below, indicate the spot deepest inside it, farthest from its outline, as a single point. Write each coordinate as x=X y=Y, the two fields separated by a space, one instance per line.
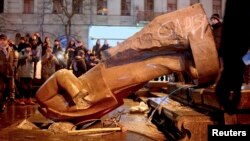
x=135 y=126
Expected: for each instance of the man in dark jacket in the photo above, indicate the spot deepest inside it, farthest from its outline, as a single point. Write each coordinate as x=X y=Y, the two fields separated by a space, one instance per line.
x=79 y=66
x=8 y=64
x=217 y=27
x=22 y=44
x=104 y=47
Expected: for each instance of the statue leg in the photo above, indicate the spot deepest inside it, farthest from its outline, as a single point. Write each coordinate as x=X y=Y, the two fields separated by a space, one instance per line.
x=137 y=73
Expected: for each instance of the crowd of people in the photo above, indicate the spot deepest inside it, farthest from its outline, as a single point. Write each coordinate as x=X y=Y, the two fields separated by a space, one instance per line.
x=19 y=60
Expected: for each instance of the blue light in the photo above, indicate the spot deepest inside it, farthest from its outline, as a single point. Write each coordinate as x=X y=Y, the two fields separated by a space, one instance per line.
x=113 y=34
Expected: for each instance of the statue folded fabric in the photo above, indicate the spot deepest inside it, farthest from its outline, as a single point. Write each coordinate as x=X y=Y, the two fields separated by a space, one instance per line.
x=179 y=41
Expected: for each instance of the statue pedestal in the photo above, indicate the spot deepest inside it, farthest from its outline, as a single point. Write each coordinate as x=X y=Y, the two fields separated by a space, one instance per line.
x=188 y=111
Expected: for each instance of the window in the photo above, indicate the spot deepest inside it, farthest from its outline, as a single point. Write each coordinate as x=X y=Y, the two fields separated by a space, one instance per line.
x=194 y=2
x=1 y=6
x=217 y=7
x=148 y=10
x=171 y=5
x=125 y=7
x=28 y=7
x=77 y=6
x=149 y=5
x=102 y=7
x=57 y=6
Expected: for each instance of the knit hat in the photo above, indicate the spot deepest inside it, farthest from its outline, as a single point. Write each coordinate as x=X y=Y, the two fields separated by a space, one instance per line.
x=3 y=36
x=215 y=16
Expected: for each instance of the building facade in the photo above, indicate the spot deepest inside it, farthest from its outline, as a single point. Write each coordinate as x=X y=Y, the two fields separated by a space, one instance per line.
x=57 y=18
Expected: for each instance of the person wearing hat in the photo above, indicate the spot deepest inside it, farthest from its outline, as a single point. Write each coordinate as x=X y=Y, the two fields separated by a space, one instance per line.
x=79 y=65
x=8 y=64
x=216 y=28
x=49 y=63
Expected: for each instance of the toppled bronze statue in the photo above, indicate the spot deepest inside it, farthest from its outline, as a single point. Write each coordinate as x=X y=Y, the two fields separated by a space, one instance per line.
x=180 y=41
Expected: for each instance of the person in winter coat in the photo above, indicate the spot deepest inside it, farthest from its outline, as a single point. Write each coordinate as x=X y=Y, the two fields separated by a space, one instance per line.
x=79 y=66
x=49 y=62
x=25 y=75
x=8 y=63
x=216 y=28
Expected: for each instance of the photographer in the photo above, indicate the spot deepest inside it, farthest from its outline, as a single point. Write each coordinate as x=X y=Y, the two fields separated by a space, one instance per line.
x=49 y=62
x=58 y=52
x=25 y=73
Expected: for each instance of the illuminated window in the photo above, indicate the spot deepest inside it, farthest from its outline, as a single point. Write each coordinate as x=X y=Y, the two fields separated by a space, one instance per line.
x=217 y=7
x=77 y=6
x=57 y=6
x=28 y=6
x=125 y=7
x=171 y=5
x=102 y=7
x=194 y=2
